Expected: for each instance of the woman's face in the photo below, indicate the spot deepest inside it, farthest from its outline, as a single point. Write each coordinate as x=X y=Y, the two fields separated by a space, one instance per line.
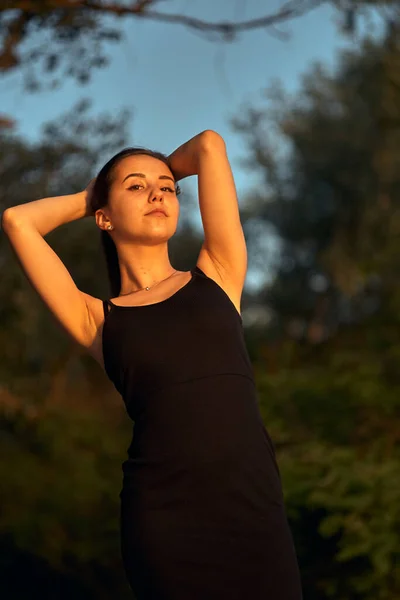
x=140 y=184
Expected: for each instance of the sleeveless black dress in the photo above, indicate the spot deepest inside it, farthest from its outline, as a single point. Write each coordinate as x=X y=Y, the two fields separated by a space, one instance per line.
x=202 y=511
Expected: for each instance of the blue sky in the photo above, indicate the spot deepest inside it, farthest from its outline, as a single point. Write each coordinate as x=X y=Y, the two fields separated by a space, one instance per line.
x=179 y=83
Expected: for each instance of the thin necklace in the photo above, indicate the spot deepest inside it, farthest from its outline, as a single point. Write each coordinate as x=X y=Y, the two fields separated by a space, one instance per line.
x=147 y=288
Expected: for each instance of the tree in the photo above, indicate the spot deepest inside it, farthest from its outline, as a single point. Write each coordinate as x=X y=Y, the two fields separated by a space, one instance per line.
x=333 y=201
x=327 y=369
x=78 y=30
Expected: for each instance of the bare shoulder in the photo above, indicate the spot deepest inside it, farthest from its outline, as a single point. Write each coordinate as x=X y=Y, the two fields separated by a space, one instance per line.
x=95 y=307
x=96 y=322
x=221 y=276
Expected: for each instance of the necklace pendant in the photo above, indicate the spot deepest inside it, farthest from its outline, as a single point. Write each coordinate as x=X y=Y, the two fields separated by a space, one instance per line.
x=147 y=288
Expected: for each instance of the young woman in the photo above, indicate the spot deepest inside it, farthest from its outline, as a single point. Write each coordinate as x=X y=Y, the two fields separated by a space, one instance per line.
x=202 y=510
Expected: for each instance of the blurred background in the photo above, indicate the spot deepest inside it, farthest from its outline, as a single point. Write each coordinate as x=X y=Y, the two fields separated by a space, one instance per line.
x=307 y=97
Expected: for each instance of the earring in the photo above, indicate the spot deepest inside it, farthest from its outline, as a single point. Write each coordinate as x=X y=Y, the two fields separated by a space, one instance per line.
x=109 y=227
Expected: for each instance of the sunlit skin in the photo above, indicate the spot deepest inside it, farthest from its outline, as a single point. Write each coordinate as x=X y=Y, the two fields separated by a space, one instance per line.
x=141 y=240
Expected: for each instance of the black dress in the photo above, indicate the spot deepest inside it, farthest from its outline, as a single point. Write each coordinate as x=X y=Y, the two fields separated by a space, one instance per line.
x=202 y=511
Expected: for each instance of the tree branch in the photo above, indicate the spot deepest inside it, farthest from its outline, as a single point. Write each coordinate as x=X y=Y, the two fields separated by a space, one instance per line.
x=227 y=29
x=142 y=9
x=77 y=27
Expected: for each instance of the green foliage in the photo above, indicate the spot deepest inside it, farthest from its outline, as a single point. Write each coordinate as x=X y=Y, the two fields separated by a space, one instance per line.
x=332 y=192
x=76 y=470
x=60 y=491
x=335 y=423
x=328 y=368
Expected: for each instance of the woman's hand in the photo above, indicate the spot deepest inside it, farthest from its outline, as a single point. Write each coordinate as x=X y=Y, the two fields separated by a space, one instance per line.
x=88 y=194
x=184 y=161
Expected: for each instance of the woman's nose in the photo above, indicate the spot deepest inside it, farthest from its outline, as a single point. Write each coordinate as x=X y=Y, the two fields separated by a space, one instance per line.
x=157 y=195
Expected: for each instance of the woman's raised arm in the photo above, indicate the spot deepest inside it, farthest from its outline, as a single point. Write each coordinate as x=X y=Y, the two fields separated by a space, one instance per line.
x=25 y=225
x=224 y=251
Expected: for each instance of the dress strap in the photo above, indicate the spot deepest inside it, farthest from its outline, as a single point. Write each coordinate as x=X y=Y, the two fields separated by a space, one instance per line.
x=199 y=271
x=106 y=308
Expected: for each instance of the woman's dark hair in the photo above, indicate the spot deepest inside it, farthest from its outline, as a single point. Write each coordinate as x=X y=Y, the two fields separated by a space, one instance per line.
x=99 y=198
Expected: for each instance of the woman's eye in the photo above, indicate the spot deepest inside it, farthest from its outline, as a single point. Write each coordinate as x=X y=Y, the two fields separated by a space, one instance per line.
x=136 y=186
